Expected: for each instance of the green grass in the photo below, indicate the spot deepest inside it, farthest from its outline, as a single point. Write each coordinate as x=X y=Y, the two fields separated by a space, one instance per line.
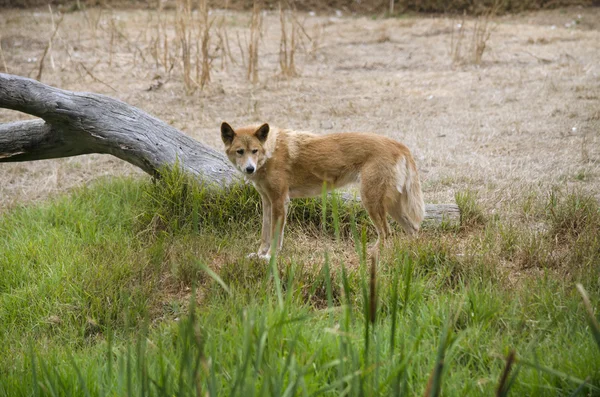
x=136 y=288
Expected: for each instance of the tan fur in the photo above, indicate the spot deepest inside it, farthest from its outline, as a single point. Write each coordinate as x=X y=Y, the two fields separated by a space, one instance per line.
x=289 y=164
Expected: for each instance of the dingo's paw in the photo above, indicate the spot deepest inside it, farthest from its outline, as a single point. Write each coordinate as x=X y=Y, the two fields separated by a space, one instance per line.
x=254 y=255
x=266 y=257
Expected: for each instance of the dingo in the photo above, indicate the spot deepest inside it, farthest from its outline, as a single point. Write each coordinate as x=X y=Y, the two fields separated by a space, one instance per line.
x=284 y=164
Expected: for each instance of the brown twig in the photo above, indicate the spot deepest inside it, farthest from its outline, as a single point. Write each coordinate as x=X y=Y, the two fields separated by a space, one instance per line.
x=95 y=78
x=41 y=67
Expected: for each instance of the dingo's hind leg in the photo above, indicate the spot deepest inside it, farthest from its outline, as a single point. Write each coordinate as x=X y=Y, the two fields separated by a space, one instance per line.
x=372 y=192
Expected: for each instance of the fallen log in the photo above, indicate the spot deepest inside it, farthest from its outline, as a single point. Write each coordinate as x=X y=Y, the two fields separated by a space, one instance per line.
x=77 y=123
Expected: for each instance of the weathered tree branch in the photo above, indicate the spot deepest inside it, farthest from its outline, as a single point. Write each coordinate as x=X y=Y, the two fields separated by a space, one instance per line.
x=76 y=123
x=91 y=123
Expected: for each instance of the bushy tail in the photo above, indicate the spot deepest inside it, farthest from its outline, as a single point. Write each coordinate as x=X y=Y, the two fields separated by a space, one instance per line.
x=407 y=206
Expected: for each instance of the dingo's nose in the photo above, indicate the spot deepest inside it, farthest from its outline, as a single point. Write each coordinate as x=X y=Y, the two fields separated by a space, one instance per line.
x=250 y=169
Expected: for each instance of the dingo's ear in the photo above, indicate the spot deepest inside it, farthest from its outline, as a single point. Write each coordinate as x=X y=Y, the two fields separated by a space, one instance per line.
x=227 y=133
x=262 y=133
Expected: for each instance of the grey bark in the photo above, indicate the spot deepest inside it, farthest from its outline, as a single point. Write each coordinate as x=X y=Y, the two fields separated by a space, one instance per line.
x=83 y=123
x=76 y=123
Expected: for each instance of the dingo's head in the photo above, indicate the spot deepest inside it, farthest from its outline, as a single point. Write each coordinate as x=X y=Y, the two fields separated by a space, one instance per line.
x=245 y=147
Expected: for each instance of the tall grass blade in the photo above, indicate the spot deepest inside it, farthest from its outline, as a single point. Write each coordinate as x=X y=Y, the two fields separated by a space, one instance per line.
x=591 y=318
x=434 y=386
x=503 y=384
x=214 y=276
x=394 y=317
x=408 y=274
x=363 y=240
x=324 y=207
x=336 y=216
x=580 y=388
x=327 y=274
x=82 y=384
x=355 y=235
x=373 y=290
x=337 y=383
x=346 y=287
x=262 y=343
x=274 y=269
x=212 y=378
x=240 y=377
x=557 y=373
x=367 y=335
x=109 y=357
x=52 y=378
x=36 y=385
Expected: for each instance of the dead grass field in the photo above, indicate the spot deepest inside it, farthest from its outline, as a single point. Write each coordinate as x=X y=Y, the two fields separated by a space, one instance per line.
x=526 y=120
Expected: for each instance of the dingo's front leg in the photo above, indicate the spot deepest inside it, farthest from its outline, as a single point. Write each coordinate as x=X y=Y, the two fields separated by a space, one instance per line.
x=265 y=237
x=279 y=208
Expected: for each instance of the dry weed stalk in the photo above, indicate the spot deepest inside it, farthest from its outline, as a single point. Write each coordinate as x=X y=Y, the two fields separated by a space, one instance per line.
x=183 y=30
x=223 y=45
x=2 y=56
x=96 y=79
x=255 y=32
x=241 y=47
x=48 y=47
x=315 y=39
x=456 y=40
x=113 y=28
x=93 y=18
x=203 y=72
x=287 y=52
x=160 y=44
x=482 y=30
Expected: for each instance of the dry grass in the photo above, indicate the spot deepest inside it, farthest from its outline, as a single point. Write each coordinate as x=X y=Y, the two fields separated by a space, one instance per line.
x=255 y=33
x=289 y=42
x=193 y=31
x=515 y=125
x=463 y=51
x=203 y=60
x=184 y=29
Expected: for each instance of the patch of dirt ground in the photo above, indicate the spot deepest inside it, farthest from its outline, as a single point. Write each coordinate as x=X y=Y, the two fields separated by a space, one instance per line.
x=524 y=120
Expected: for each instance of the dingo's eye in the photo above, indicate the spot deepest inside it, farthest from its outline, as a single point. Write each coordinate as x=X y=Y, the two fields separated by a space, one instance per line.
x=240 y=151
x=254 y=151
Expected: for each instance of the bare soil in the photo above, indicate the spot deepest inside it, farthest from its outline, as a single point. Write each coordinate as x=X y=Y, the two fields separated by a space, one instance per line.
x=525 y=120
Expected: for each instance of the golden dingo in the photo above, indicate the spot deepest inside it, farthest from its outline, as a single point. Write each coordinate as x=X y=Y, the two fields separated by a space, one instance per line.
x=284 y=164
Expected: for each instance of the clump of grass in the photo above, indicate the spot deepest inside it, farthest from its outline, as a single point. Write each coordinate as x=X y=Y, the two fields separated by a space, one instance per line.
x=471 y=213
x=524 y=247
x=472 y=52
x=179 y=202
x=571 y=215
x=573 y=221
x=436 y=261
